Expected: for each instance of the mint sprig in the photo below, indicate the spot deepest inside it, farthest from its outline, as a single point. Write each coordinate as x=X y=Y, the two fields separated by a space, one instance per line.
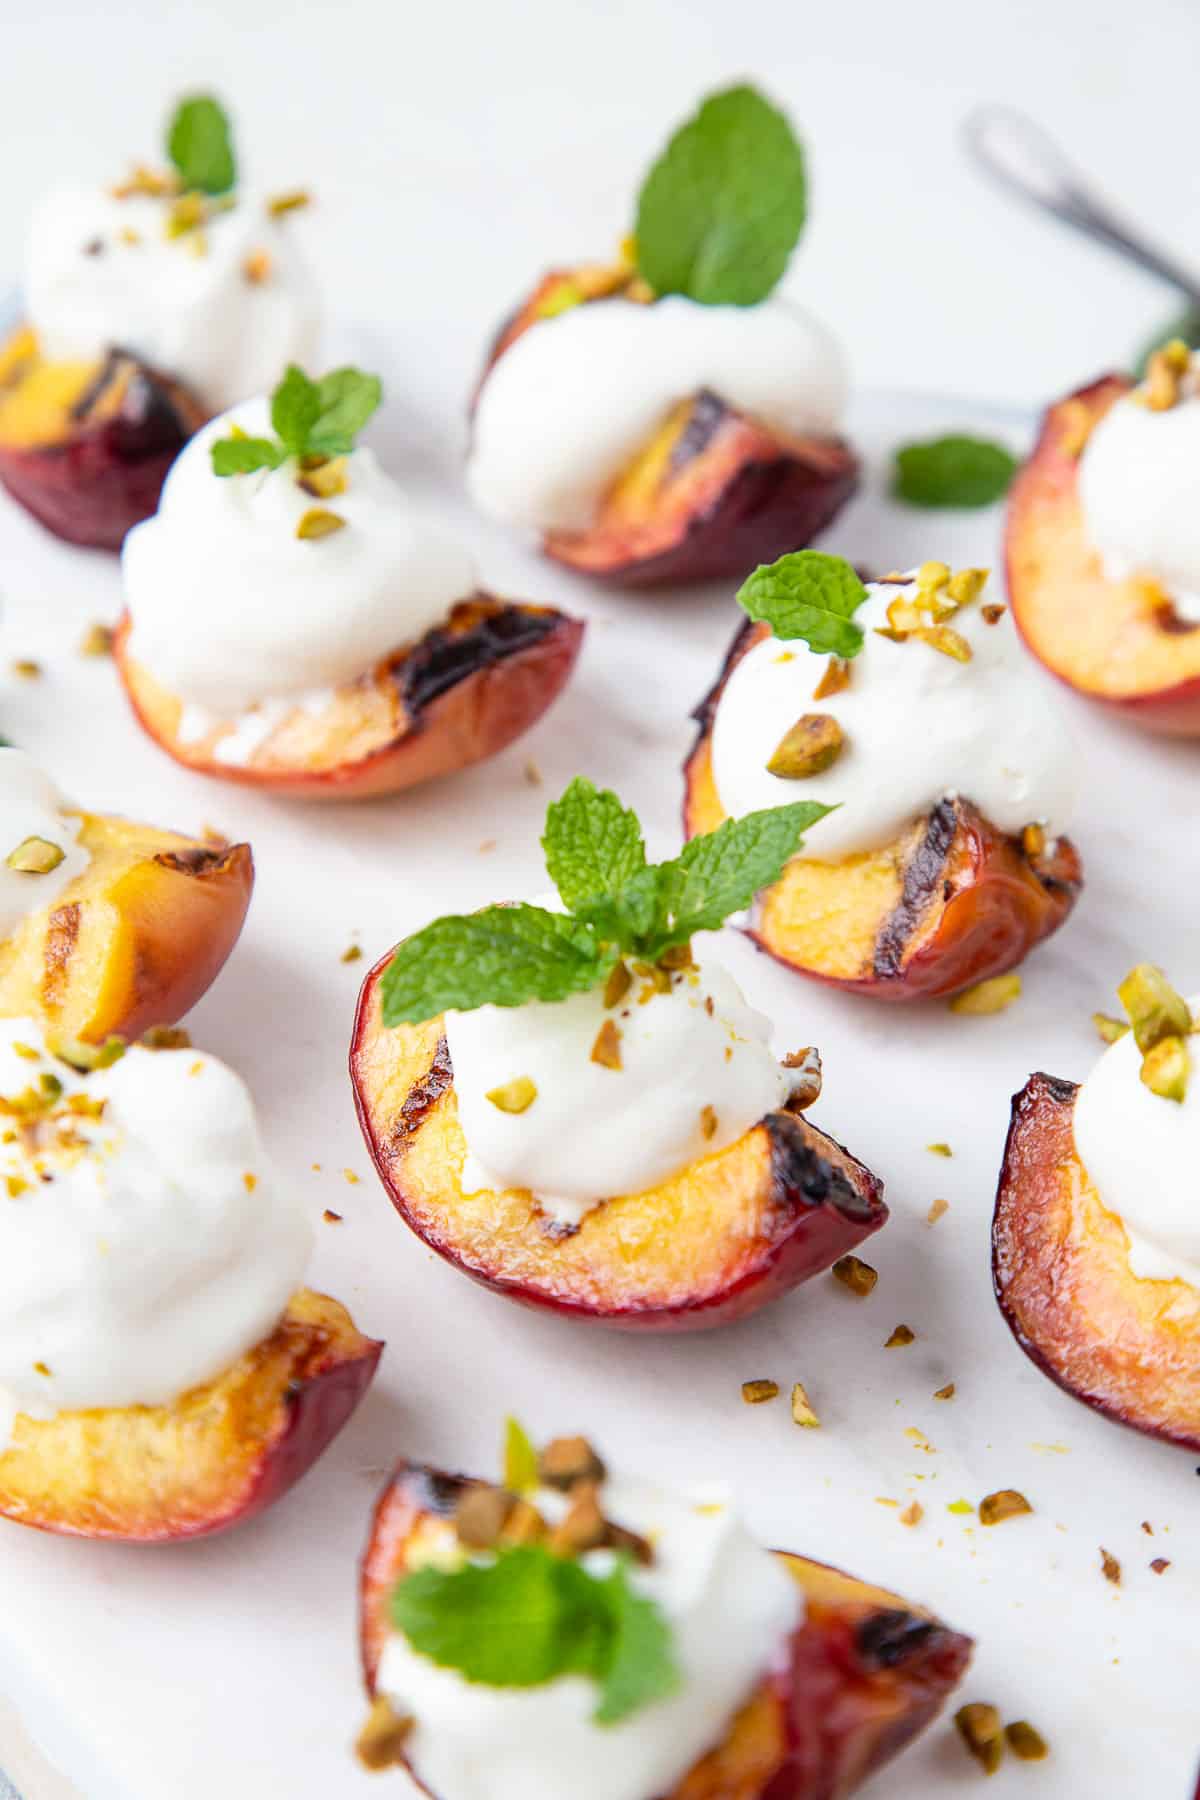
x=618 y=905
x=722 y=209
x=955 y=471
x=529 y=1616
x=200 y=145
x=808 y=595
x=310 y=418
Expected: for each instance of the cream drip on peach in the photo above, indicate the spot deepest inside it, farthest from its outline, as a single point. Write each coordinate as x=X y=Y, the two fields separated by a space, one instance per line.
x=574 y=398
x=1142 y=1153
x=732 y=1608
x=32 y=811
x=146 y=1242
x=918 y=726
x=222 y=307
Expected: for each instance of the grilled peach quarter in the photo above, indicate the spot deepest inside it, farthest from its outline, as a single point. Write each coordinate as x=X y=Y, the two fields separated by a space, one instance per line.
x=716 y=1242
x=712 y=493
x=464 y=692
x=866 y=1674
x=1128 y=1347
x=1117 y=642
x=85 y=447
x=134 y=940
x=949 y=903
x=217 y=1456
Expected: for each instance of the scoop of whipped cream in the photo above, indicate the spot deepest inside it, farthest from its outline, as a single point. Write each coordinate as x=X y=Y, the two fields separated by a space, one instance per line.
x=732 y=1608
x=145 y=1240
x=1142 y=1153
x=575 y=397
x=1139 y=488
x=918 y=726
x=32 y=807
x=222 y=308
x=229 y=607
x=696 y=1072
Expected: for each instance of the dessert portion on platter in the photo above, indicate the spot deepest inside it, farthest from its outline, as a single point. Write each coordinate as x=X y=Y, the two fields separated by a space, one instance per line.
x=571 y=1631
x=666 y=417
x=163 y=1374
x=293 y=622
x=149 y=305
x=1096 y=1240
x=575 y=1105
x=107 y=927
x=906 y=706
x=1103 y=546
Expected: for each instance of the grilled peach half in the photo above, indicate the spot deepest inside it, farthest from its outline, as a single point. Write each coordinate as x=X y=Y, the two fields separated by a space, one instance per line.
x=711 y=494
x=1126 y=1346
x=1117 y=642
x=134 y=940
x=462 y=693
x=717 y=1241
x=85 y=447
x=215 y=1457
x=950 y=902
x=865 y=1674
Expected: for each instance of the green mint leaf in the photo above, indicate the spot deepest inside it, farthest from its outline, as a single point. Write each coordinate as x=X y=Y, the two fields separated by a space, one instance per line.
x=723 y=207
x=808 y=595
x=502 y=956
x=593 y=844
x=520 y=1459
x=953 y=471
x=529 y=1617
x=641 y=1663
x=295 y=409
x=241 y=456
x=346 y=399
x=1185 y=325
x=200 y=144
x=720 y=873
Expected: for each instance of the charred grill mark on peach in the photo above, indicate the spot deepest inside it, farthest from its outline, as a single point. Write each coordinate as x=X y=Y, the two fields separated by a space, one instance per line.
x=420 y=1100
x=886 y=1639
x=924 y=873
x=481 y=633
x=803 y=1177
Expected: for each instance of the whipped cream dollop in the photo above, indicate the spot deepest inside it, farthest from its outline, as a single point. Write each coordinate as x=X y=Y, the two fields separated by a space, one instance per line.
x=574 y=398
x=732 y=1608
x=32 y=807
x=229 y=608
x=1139 y=489
x=1142 y=1154
x=145 y=1240
x=918 y=726
x=696 y=1073
x=222 y=308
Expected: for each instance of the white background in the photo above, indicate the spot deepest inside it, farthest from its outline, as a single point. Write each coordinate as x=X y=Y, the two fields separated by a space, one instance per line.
x=455 y=151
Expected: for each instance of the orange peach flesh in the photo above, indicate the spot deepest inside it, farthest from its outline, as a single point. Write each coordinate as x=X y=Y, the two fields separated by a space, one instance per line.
x=948 y=903
x=461 y=694
x=217 y=1456
x=866 y=1673
x=1127 y=1346
x=1118 y=641
x=134 y=940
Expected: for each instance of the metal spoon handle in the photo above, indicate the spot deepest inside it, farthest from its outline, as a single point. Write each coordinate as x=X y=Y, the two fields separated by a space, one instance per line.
x=1014 y=150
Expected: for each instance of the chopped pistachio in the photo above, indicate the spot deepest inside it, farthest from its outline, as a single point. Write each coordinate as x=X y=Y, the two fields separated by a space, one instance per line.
x=1110 y=1568
x=913 y=1513
x=97 y=640
x=932 y=576
x=326 y=478
x=1166 y=1068
x=961 y=1507
x=1026 y=1741
x=1155 y=1010
x=708 y=1122
x=945 y=1393
x=166 y=1037
x=986 y=997
x=532 y=774
x=677 y=957
x=567 y=1460
x=584 y=1526
x=480 y=1514
x=802 y=1410
x=809 y=747
x=1163 y=371
x=965 y=585
x=185 y=214
x=257 y=267
x=618 y=984
x=1108 y=1028
x=515 y=1096
x=755 y=1392
x=900 y=1336
x=978 y=1726
x=945 y=639
x=318 y=522
x=288 y=202
x=1007 y=1503
x=352 y=953
x=330 y=1217
x=380 y=1743
x=835 y=679
x=16 y=1185
x=524 y=1525
x=607 y=1048
x=937 y=1210
x=35 y=856
x=1033 y=841
x=855 y=1274
x=939 y=1149
x=1159 y=1564
x=993 y=612
x=26 y=668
